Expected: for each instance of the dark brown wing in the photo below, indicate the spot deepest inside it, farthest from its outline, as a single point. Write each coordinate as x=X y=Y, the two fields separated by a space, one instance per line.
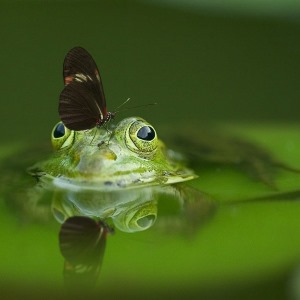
x=82 y=103
x=78 y=107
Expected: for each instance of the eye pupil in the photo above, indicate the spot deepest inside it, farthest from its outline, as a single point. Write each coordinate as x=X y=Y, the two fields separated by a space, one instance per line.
x=59 y=131
x=146 y=133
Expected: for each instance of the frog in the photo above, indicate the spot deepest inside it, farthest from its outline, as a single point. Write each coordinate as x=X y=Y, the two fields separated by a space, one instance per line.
x=128 y=156
x=117 y=174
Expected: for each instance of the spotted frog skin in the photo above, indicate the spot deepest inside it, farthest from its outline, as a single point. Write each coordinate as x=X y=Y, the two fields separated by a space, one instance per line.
x=128 y=155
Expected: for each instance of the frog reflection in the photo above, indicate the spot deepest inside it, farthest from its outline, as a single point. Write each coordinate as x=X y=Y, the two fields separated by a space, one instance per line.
x=136 y=210
x=131 y=211
x=83 y=237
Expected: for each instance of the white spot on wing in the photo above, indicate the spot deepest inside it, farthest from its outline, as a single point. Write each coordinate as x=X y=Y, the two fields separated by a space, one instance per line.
x=81 y=77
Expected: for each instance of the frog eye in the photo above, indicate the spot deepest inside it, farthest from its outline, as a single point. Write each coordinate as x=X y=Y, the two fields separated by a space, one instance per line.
x=61 y=136
x=137 y=218
x=59 y=131
x=146 y=133
x=141 y=138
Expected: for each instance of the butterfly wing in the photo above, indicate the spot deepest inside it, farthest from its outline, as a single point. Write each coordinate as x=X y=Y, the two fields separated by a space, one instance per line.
x=82 y=103
x=78 y=107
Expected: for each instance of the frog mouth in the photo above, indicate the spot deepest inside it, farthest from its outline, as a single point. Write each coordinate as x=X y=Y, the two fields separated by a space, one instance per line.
x=128 y=182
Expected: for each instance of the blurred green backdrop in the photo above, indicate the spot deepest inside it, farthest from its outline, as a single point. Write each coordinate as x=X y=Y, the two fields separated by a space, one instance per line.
x=200 y=60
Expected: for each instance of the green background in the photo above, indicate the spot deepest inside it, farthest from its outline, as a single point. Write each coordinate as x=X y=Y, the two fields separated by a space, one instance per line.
x=198 y=62
x=232 y=62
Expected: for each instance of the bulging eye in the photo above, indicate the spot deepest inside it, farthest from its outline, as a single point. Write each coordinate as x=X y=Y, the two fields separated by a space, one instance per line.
x=146 y=133
x=59 y=131
x=141 y=138
x=61 y=136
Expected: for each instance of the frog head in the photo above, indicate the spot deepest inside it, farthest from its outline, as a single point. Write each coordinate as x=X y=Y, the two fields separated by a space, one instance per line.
x=127 y=155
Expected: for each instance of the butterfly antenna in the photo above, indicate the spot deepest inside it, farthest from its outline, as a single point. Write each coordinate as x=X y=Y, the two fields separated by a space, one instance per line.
x=133 y=107
x=122 y=104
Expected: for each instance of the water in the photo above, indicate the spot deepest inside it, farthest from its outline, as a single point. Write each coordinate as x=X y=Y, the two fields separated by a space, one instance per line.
x=197 y=67
x=233 y=232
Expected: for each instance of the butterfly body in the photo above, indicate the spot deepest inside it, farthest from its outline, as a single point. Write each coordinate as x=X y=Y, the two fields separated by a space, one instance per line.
x=82 y=103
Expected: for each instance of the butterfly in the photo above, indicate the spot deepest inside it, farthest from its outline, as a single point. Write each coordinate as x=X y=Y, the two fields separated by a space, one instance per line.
x=82 y=103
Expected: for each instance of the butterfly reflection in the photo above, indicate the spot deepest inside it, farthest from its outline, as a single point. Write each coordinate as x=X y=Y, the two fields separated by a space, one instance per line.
x=82 y=243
